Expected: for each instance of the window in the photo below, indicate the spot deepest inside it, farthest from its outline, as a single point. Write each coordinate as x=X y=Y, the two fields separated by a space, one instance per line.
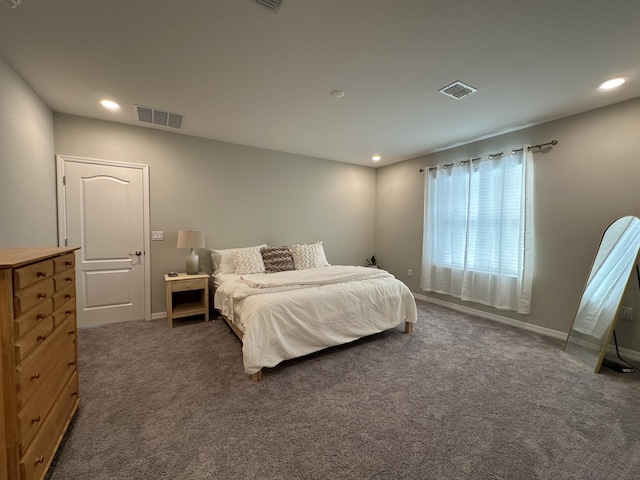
x=477 y=232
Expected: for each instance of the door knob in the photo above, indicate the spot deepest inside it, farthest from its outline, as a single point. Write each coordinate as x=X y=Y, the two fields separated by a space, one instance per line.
x=136 y=253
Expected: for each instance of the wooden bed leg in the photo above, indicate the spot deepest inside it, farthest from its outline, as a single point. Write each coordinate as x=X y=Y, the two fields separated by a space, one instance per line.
x=408 y=327
x=257 y=377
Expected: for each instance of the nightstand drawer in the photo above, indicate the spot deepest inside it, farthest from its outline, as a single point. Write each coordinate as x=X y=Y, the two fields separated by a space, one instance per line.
x=184 y=285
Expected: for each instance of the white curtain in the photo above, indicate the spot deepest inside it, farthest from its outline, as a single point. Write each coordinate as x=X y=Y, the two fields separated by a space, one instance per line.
x=478 y=231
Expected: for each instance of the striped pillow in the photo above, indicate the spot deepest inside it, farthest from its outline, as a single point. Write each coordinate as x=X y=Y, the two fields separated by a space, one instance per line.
x=277 y=259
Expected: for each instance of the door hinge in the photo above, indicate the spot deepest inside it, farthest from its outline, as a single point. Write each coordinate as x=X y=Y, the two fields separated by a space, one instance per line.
x=64 y=180
x=66 y=244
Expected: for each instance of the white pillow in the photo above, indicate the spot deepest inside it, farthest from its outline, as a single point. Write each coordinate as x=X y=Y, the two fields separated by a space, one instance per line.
x=223 y=259
x=309 y=256
x=248 y=260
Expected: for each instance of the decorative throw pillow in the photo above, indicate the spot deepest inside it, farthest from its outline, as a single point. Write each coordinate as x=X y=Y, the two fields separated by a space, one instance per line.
x=277 y=259
x=248 y=260
x=223 y=259
x=309 y=256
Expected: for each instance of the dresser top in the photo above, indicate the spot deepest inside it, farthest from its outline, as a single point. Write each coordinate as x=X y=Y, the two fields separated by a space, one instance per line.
x=16 y=257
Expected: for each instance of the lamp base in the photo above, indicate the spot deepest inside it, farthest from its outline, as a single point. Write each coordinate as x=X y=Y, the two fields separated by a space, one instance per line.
x=192 y=263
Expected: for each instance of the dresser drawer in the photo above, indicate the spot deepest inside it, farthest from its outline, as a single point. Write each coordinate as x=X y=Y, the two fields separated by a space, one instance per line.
x=64 y=262
x=37 y=367
x=37 y=457
x=64 y=312
x=184 y=285
x=33 y=414
x=31 y=296
x=33 y=338
x=64 y=279
x=64 y=296
x=25 y=276
x=34 y=316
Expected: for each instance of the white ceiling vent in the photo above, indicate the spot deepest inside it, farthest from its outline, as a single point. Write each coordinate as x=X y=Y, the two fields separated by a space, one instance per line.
x=158 y=117
x=272 y=4
x=457 y=90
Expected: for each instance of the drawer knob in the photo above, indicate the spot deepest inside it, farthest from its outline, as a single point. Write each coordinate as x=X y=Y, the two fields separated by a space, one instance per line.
x=35 y=419
x=67 y=296
x=42 y=295
x=71 y=332
x=68 y=279
x=68 y=263
x=40 y=459
x=72 y=363
x=35 y=376
x=39 y=338
x=68 y=312
x=73 y=394
x=40 y=316
x=41 y=274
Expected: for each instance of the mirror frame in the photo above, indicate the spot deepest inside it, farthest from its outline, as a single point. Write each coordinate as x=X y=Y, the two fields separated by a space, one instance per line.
x=606 y=338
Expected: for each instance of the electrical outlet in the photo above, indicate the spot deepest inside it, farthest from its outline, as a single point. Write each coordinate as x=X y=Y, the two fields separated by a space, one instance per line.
x=410 y=273
x=626 y=313
x=157 y=235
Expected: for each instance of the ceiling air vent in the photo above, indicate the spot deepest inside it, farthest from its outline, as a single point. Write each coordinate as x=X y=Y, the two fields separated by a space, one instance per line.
x=272 y=4
x=457 y=90
x=158 y=117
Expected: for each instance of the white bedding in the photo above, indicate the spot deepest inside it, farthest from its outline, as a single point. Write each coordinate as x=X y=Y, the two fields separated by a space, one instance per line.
x=290 y=314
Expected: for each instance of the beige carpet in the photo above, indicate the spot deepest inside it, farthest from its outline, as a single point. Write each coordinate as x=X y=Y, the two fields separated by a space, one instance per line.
x=460 y=398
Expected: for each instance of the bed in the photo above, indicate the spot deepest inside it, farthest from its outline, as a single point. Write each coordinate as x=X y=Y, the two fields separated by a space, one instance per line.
x=304 y=306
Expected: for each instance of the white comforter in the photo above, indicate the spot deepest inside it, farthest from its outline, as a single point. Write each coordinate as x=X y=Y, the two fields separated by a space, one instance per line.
x=289 y=314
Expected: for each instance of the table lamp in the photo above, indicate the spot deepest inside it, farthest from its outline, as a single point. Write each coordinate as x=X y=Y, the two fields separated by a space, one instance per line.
x=191 y=239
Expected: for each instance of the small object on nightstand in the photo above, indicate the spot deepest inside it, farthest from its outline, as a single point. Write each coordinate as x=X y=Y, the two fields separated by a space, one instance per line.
x=187 y=295
x=172 y=274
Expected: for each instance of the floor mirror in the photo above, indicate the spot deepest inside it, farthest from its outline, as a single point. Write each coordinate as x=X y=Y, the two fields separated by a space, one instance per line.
x=614 y=266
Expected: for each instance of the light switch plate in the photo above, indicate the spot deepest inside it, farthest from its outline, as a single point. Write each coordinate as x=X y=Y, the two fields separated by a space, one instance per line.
x=157 y=235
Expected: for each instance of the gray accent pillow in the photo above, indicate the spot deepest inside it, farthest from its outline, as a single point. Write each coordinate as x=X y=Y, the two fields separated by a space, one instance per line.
x=277 y=259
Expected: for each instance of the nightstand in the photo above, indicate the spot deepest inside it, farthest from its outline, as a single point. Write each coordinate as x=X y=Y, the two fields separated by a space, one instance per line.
x=187 y=295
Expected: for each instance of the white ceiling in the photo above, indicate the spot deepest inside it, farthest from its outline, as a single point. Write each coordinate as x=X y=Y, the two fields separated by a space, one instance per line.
x=242 y=73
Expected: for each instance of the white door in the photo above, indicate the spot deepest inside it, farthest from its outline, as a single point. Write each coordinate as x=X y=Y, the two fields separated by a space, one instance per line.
x=103 y=209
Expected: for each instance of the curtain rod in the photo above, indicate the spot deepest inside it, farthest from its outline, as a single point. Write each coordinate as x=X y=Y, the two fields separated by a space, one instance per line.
x=499 y=154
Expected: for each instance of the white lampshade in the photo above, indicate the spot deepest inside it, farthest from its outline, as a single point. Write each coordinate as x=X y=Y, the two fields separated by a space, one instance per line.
x=191 y=239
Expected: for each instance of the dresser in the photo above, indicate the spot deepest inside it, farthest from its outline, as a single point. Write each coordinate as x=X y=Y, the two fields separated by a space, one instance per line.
x=38 y=365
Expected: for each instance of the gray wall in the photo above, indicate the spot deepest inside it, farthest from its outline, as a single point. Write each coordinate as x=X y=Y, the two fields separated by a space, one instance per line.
x=27 y=166
x=581 y=185
x=239 y=196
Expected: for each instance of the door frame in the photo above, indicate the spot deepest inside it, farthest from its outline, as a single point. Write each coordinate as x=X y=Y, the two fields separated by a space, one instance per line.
x=62 y=216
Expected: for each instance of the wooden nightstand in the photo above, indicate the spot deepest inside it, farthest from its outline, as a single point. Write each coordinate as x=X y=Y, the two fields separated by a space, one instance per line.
x=187 y=295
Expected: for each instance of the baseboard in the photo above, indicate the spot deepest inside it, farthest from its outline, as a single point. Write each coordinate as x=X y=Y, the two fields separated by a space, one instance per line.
x=158 y=315
x=627 y=354
x=496 y=318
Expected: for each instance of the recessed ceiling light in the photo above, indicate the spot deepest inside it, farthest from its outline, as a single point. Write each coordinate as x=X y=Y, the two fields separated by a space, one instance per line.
x=612 y=83
x=337 y=93
x=375 y=158
x=110 y=105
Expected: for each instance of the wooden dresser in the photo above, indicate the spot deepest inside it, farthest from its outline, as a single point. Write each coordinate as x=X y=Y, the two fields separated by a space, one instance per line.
x=38 y=365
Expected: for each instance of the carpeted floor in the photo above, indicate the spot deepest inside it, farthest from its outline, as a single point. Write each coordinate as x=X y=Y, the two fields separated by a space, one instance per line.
x=460 y=398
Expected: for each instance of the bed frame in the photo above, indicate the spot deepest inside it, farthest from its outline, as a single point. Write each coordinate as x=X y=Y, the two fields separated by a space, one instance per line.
x=257 y=377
